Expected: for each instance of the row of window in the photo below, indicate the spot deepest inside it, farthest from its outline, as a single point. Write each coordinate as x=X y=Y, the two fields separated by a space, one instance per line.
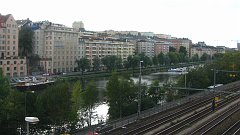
x=8 y=36
x=14 y=68
x=8 y=62
x=7 y=42
x=4 y=30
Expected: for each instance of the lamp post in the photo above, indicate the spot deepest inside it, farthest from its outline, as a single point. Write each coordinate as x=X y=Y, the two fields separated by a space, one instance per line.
x=32 y=120
x=26 y=100
x=139 y=89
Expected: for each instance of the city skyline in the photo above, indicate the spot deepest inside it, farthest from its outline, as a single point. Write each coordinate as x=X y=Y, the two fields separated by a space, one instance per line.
x=216 y=22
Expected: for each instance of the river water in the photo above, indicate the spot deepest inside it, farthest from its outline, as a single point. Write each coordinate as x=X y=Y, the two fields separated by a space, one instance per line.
x=163 y=78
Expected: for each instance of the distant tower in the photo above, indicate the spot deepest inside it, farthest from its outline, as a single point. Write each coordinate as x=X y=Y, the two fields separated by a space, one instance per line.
x=78 y=26
x=238 y=46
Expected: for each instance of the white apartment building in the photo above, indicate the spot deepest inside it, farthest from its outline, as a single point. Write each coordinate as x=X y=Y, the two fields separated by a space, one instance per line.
x=57 y=46
x=10 y=63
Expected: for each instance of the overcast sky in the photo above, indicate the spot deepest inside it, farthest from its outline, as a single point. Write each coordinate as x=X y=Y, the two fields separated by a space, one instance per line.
x=213 y=21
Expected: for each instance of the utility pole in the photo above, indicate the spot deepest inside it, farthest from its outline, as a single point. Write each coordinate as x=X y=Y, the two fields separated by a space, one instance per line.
x=139 y=89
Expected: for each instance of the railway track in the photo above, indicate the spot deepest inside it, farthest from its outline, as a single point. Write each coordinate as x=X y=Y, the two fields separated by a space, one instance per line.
x=233 y=130
x=174 y=129
x=176 y=117
x=214 y=123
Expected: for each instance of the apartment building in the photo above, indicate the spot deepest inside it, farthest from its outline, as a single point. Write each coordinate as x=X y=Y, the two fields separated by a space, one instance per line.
x=145 y=46
x=161 y=47
x=11 y=64
x=101 y=47
x=57 y=46
x=177 y=42
x=200 y=50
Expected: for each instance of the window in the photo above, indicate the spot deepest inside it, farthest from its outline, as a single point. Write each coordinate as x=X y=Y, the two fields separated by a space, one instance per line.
x=15 y=68
x=8 y=62
x=21 y=62
x=15 y=62
x=21 y=68
x=8 y=68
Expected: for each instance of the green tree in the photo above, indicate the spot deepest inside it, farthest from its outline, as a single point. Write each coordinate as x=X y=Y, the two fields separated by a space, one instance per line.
x=205 y=57
x=26 y=41
x=11 y=107
x=89 y=99
x=172 y=49
x=195 y=57
x=54 y=104
x=110 y=62
x=173 y=57
x=183 y=50
x=121 y=96
x=76 y=102
x=154 y=92
x=83 y=64
x=161 y=60
x=96 y=63
x=155 y=60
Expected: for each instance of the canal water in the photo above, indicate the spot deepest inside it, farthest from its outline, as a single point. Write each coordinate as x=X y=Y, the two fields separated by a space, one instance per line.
x=163 y=78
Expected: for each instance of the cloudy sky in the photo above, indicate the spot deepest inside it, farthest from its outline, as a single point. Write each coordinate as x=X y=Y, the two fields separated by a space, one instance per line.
x=217 y=22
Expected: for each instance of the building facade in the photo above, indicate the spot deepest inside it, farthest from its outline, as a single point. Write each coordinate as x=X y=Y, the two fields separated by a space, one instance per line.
x=57 y=46
x=11 y=64
x=100 y=47
x=177 y=42
x=161 y=47
x=146 y=47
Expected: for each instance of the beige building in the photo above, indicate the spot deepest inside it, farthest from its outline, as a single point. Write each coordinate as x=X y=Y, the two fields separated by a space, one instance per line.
x=57 y=46
x=10 y=63
x=146 y=47
x=200 y=50
x=100 y=47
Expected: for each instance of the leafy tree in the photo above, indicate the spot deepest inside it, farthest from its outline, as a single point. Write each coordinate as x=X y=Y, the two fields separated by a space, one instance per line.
x=146 y=61
x=54 y=104
x=172 y=49
x=83 y=64
x=110 y=62
x=167 y=60
x=155 y=60
x=34 y=63
x=161 y=59
x=195 y=57
x=121 y=94
x=11 y=107
x=154 y=92
x=173 y=57
x=89 y=99
x=218 y=55
x=76 y=102
x=183 y=50
x=205 y=57
x=96 y=63
x=26 y=41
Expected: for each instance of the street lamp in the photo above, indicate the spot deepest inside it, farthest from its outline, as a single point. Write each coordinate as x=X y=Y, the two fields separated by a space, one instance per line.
x=32 y=120
x=139 y=89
